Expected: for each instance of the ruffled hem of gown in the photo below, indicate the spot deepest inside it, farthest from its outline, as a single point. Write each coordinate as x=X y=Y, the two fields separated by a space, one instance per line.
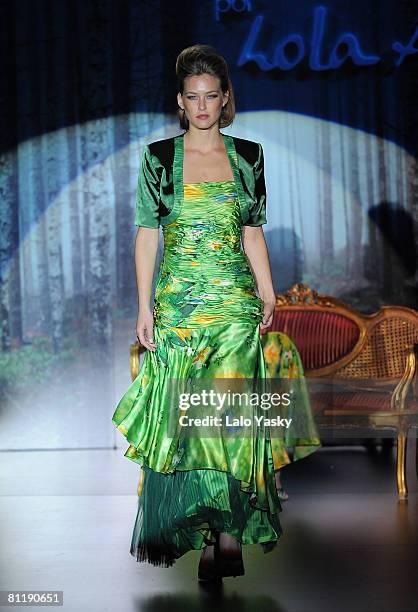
x=180 y=512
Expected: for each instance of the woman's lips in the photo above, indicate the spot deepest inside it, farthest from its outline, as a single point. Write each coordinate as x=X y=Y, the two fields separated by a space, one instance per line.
x=202 y=116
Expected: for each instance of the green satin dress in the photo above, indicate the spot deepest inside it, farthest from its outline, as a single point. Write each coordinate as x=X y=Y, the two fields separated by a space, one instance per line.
x=206 y=324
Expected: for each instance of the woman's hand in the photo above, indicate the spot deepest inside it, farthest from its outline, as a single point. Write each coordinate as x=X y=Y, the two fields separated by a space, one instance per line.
x=146 y=245
x=145 y=329
x=256 y=251
x=268 y=310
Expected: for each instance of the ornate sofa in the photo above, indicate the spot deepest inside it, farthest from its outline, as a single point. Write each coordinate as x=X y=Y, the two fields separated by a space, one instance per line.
x=361 y=369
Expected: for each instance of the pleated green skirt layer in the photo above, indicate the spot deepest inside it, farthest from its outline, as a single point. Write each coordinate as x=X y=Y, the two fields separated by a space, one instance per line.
x=179 y=512
x=206 y=326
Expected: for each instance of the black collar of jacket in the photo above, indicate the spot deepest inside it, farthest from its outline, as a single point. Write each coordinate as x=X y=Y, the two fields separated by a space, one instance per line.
x=164 y=149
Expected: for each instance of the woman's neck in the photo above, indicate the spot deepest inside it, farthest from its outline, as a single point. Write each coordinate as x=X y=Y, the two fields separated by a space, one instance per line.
x=203 y=140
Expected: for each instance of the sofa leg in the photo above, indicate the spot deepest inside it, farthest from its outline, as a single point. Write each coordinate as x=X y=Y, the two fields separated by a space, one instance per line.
x=416 y=454
x=401 y=465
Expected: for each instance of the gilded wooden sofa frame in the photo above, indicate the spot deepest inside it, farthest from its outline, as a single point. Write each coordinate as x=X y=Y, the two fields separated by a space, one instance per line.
x=354 y=365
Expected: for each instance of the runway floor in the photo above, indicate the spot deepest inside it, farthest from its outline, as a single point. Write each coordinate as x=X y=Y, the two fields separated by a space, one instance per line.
x=348 y=543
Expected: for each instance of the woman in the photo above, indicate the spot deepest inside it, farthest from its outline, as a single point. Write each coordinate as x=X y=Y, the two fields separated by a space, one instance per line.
x=207 y=191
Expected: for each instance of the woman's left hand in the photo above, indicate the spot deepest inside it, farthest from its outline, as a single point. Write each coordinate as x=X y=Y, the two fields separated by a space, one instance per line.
x=268 y=312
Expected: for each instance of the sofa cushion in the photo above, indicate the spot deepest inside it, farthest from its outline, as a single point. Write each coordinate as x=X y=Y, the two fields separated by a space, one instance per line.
x=322 y=338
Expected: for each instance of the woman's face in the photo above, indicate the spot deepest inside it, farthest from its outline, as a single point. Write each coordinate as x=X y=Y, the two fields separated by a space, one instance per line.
x=202 y=100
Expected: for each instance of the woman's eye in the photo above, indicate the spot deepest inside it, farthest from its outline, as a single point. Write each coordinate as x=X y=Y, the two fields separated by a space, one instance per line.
x=191 y=97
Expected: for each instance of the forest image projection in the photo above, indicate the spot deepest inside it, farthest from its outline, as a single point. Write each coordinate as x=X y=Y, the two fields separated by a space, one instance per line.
x=82 y=98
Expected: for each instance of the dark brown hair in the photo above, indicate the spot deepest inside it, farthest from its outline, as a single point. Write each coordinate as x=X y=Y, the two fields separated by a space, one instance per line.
x=204 y=59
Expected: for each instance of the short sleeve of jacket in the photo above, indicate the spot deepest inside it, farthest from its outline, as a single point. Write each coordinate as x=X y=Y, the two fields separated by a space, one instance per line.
x=147 y=193
x=257 y=213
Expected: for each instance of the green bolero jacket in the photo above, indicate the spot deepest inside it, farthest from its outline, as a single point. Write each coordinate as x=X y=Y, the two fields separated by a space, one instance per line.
x=159 y=192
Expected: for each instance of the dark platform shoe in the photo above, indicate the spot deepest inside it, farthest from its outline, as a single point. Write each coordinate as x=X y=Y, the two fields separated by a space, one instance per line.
x=228 y=560
x=208 y=571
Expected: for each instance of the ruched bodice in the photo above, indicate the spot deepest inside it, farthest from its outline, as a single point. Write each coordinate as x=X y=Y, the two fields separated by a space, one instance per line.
x=205 y=277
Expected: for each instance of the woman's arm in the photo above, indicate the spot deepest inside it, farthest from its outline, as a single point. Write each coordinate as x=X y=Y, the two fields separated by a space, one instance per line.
x=255 y=248
x=146 y=246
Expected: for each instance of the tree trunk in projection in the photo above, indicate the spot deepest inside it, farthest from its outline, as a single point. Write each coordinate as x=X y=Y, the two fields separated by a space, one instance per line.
x=412 y=211
x=369 y=259
x=40 y=158
x=372 y=260
x=399 y=271
x=97 y=198
x=125 y=286
x=378 y=216
x=319 y=185
x=291 y=249
x=411 y=196
x=356 y=271
x=301 y=258
x=125 y=277
x=99 y=271
x=75 y=197
x=86 y=220
x=384 y=224
x=7 y=185
x=327 y=238
x=10 y=293
x=74 y=301
x=54 y=145
x=342 y=142
x=38 y=305
x=409 y=96
x=355 y=217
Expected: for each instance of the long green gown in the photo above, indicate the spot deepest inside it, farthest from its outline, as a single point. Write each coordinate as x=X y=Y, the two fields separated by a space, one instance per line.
x=206 y=324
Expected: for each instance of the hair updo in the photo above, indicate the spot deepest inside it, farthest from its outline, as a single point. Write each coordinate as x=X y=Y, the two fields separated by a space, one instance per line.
x=204 y=59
